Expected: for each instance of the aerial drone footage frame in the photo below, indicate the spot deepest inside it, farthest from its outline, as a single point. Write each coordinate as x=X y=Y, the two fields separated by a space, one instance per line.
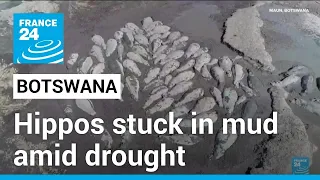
x=221 y=59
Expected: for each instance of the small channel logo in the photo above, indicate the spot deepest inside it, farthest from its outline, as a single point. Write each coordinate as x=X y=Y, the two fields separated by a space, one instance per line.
x=38 y=38
x=300 y=165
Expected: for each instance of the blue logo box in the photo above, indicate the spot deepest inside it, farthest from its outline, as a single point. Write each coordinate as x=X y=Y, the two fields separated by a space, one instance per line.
x=300 y=165
x=38 y=38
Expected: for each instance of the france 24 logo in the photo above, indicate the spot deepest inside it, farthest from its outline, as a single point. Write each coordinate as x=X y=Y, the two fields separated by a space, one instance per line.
x=300 y=165
x=38 y=38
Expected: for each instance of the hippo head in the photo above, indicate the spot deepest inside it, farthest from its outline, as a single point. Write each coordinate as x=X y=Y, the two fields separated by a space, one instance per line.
x=278 y=91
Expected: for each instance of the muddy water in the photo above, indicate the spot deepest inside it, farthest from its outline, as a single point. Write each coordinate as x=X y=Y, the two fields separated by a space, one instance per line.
x=196 y=21
x=293 y=43
x=199 y=24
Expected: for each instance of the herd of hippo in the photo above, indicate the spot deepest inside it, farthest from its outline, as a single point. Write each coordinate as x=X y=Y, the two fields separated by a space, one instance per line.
x=160 y=65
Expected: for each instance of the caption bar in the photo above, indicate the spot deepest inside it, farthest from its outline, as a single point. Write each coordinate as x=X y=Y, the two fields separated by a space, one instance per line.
x=67 y=86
